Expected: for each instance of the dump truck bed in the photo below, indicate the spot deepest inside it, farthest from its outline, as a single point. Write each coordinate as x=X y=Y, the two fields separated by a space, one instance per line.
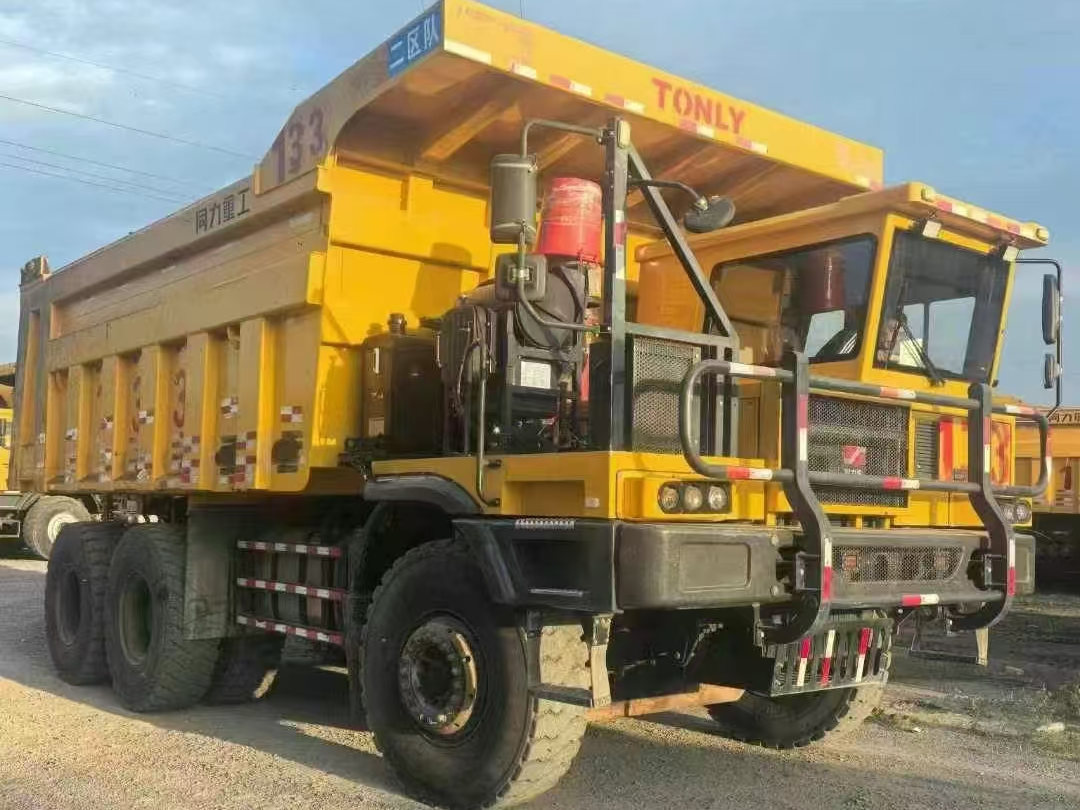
x=216 y=350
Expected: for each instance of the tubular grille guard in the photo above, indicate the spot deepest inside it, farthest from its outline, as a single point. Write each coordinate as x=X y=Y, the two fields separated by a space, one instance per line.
x=857 y=565
x=812 y=609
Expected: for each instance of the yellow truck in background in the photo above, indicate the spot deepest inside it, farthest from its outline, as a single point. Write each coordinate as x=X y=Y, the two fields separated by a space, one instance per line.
x=1055 y=513
x=701 y=431
x=29 y=518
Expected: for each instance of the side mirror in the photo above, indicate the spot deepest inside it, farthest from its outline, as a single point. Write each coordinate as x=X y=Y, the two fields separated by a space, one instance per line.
x=1051 y=310
x=709 y=215
x=512 y=207
x=1051 y=371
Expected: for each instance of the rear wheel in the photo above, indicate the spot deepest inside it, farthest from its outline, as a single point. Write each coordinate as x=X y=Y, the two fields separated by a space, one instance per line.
x=153 y=667
x=791 y=721
x=76 y=585
x=445 y=685
x=43 y=522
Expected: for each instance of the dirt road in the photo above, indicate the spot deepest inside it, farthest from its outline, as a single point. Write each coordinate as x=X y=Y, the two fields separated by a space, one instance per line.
x=72 y=748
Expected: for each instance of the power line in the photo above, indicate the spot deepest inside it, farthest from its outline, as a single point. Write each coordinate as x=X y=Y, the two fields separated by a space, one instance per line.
x=106 y=122
x=102 y=163
x=85 y=182
x=102 y=66
x=173 y=195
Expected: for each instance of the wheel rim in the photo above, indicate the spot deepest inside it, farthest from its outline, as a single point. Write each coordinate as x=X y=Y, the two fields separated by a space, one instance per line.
x=136 y=619
x=438 y=677
x=69 y=607
x=56 y=523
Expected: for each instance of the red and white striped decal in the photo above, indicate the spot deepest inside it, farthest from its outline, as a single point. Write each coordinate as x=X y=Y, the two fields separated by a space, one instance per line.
x=804 y=655
x=1010 y=583
x=986 y=446
x=330 y=594
x=571 y=85
x=310 y=633
x=804 y=427
x=748 y=473
x=919 y=599
x=864 y=645
x=521 y=69
x=896 y=393
x=746 y=370
x=826 y=569
x=290 y=548
x=900 y=483
x=826 y=661
x=1020 y=410
x=753 y=146
x=627 y=104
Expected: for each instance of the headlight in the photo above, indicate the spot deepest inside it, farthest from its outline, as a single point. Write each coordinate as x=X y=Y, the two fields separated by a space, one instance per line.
x=669 y=498
x=706 y=497
x=692 y=498
x=717 y=499
x=1023 y=512
x=1008 y=509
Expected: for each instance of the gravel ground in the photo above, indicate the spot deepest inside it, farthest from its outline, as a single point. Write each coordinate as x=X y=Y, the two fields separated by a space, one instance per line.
x=66 y=747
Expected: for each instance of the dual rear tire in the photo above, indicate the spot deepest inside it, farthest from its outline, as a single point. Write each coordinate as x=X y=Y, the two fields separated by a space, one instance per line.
x=114 y=608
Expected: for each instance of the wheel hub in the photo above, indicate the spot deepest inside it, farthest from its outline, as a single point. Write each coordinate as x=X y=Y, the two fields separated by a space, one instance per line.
x=56 y=523
x=437 y=676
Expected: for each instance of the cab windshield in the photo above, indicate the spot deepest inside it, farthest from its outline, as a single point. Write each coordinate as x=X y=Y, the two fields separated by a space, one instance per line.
x=812 y=299
x=943 y=307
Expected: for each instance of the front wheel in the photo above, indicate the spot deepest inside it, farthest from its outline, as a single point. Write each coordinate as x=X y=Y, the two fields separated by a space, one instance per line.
x=446 y=686
x=792 y=721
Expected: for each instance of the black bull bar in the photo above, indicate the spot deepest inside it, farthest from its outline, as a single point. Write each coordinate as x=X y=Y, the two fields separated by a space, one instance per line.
x=797 y=479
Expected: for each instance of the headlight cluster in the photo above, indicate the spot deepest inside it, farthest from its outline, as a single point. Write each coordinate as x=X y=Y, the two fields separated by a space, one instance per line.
x=1016 y=511
x=703 y=497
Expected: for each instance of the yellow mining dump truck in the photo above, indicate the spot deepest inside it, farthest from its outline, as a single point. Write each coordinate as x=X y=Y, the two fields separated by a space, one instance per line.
x=528 y=475
x=29 y=518
x=1056 y=513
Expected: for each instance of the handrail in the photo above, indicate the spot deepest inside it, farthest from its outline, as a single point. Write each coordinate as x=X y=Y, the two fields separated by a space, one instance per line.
x=797 y=479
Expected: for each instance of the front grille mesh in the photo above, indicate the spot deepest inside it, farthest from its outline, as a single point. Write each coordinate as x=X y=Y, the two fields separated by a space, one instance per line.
x=658 y=370
x=875 y=564
x=926 y=449
x=877 y=435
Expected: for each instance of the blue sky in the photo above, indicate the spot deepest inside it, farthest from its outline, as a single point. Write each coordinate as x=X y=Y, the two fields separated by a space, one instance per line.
x=978 y=97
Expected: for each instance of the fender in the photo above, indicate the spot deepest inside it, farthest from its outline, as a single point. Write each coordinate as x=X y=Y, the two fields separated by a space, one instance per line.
x=447 y=495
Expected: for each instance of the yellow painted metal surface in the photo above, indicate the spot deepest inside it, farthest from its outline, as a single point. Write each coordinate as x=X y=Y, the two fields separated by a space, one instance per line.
x=1062 y=494
x=177 y=358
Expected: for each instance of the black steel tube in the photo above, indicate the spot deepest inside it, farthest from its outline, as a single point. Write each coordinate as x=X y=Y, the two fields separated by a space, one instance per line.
x=885 y=392
x=1036 y=489
x=686 y=420
x=591 y=132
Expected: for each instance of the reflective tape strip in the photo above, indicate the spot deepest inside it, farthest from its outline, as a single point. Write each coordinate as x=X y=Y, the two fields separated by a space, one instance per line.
x=571 y=85
x=1020 y=410
x=749 y=474
x=746 y=370
x=312 y=634
x=826 y=662
x=900 y=483
x=330 y=594
x=290 y=548
x=753 y=146
x=630 y=105
x=524 y=70
x=826 y=569
x=804 y=654
x=468 y=51
x=919 y=599
x=896 y=393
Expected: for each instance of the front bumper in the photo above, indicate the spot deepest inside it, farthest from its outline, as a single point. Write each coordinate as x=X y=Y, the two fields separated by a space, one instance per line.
x=608 y=566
